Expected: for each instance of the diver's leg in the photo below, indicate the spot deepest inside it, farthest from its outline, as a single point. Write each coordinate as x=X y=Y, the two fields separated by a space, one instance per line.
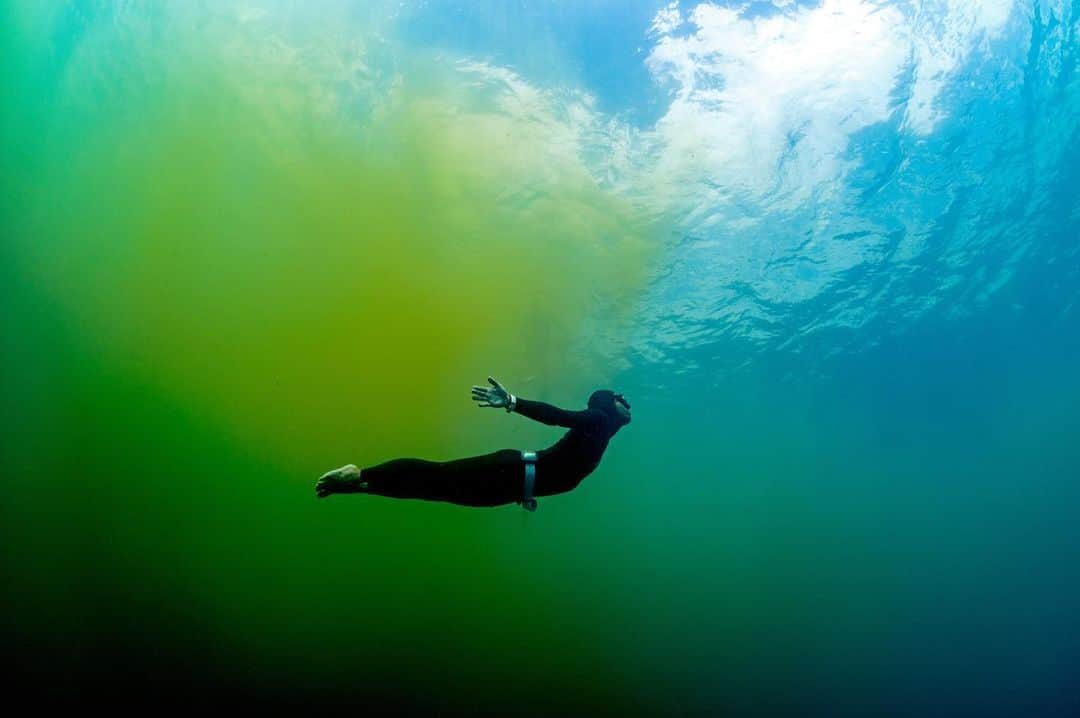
x=409 y=479
x=489 y=480
x=345 y=480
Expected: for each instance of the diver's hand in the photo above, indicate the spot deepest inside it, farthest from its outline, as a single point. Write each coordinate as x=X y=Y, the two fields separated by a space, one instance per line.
x=497 y=397
x=345 y=480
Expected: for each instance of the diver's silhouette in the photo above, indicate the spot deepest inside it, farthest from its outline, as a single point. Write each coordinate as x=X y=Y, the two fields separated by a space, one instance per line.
x=502 y=477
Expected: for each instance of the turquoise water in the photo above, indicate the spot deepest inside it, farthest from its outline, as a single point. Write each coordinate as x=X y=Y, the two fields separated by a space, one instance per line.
x=829 y=251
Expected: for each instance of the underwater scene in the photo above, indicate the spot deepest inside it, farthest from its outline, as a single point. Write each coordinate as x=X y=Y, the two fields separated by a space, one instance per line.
x=829 y=252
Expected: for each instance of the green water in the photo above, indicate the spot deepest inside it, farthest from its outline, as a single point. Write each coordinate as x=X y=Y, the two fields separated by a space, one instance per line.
x=218 y=287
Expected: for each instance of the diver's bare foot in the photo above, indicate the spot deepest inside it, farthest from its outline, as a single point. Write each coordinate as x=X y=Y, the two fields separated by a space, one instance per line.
x=345 y=480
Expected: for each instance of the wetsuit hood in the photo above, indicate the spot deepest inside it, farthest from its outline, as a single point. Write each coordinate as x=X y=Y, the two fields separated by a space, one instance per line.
x=604 y=400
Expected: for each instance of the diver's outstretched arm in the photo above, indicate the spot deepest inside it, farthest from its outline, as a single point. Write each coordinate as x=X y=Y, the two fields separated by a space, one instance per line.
x=499 y=398
x=554 y=416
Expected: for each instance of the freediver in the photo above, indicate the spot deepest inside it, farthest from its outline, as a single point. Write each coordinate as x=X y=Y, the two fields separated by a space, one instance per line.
x=501 y=477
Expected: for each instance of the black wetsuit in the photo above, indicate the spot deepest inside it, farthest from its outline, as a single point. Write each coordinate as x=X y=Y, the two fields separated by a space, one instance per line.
x=499 y=477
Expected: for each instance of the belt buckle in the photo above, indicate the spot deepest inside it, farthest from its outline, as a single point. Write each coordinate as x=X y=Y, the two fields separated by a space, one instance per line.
x=527 y=501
